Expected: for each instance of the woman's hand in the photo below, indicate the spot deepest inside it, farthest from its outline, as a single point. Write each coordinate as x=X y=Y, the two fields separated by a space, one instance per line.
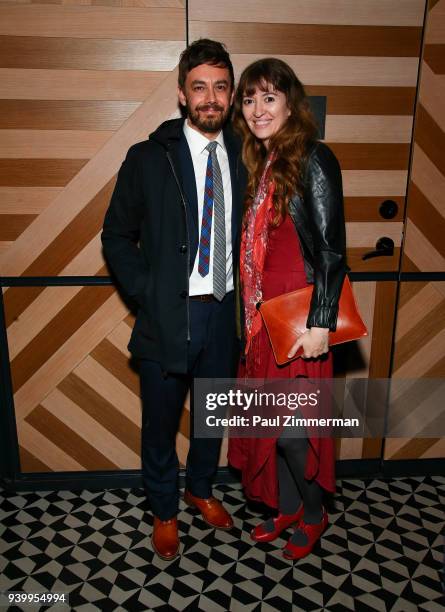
x=314 y=342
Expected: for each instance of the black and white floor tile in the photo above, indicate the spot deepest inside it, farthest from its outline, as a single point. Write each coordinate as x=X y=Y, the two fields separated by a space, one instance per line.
x=384 y=550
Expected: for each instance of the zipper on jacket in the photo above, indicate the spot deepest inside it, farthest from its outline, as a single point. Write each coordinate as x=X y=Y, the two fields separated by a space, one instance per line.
x=184 y=207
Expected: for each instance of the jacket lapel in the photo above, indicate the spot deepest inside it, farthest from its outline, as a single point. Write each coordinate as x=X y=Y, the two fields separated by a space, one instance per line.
x=187 y=175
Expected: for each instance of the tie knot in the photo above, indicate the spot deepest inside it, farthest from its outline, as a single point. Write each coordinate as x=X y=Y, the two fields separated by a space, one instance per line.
x=211 y=147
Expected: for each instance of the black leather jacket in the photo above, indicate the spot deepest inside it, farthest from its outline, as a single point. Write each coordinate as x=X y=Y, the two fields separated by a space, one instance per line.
x=319 y=220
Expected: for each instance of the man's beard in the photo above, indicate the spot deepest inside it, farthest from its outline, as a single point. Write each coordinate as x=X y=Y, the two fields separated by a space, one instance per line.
x=210 y=125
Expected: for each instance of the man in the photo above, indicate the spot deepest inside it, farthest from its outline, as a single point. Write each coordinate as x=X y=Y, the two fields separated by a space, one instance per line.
x=170 y=236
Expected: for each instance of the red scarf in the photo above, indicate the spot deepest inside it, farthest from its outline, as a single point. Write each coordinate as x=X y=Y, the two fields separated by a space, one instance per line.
x=253 y=254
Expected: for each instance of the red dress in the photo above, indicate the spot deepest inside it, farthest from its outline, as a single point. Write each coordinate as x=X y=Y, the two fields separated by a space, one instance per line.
x=256 y=457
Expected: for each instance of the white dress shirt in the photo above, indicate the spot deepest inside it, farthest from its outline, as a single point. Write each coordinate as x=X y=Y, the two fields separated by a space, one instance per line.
x=197 y=144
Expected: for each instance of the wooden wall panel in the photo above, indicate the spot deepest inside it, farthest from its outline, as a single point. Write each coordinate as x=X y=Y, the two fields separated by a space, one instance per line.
x=370 y=357
x=373 y=100
x=26 y=200
x=65 y=114
x=371 y=156
x=75 y=391
x=424 y=245
x=79 y=407
x=35 y=84
x=38 y=172
x=364 y=58
x=88 y=54
x=367 y=208
x=346 y=71
x=79 y=85
x=352 y=360
x=51 y=144
x=420 y=353
x=314 y=39
x=118 y=23
x=420 y=331
x=128 y=3
x=70 y=77
x=347 y=12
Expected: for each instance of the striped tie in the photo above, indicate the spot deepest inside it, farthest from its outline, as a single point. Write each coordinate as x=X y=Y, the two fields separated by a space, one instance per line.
x=213 y=206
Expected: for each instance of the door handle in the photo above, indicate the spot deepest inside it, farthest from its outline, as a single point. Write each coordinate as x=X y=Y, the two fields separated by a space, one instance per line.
x=384 y=247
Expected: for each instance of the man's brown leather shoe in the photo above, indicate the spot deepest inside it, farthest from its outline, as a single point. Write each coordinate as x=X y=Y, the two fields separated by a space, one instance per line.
x=212 y=510
x=165 y=540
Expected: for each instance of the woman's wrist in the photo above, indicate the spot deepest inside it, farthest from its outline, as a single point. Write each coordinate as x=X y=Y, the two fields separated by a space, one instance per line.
x=319 y=330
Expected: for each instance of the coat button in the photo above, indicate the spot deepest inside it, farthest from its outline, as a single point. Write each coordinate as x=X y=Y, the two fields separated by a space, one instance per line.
x=183 y=248
x=183 y=294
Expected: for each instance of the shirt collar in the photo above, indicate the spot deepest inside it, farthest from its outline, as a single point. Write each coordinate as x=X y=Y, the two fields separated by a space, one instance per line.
x=197 y=142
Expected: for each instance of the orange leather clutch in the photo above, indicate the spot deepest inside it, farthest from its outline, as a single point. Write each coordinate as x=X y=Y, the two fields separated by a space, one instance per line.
x=285 y=319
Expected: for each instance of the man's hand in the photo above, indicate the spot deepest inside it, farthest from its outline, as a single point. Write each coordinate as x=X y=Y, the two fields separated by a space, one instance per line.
x=314 y=342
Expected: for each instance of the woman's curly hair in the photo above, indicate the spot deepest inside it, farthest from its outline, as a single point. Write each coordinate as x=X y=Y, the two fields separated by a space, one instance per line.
x=291 y=143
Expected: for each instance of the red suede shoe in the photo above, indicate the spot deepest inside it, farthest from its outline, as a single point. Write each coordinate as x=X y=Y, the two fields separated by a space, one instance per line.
x=212 y=510
x=313 y=532
x=281 y=522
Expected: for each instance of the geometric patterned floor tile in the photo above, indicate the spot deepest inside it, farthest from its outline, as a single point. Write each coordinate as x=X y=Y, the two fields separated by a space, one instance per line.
x=384 y=549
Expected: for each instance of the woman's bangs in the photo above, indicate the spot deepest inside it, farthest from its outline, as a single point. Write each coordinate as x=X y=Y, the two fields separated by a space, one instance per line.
x=259 y=82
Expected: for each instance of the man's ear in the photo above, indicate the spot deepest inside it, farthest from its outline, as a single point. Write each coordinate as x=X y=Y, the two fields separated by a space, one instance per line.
x=232 y=97
x=181 y=97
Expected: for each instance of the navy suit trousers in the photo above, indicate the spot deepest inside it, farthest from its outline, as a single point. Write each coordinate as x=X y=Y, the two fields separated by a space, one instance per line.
x=212 y=353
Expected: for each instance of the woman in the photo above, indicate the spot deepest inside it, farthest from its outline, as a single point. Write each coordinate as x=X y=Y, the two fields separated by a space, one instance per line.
x=293 y=235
